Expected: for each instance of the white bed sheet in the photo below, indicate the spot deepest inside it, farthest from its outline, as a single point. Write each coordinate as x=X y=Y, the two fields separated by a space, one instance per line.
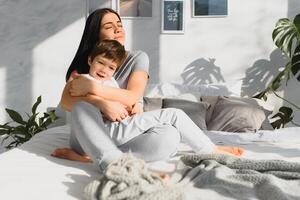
x=29 y=172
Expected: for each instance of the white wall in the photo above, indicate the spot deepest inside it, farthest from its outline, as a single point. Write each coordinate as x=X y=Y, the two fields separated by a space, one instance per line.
x=38 y=40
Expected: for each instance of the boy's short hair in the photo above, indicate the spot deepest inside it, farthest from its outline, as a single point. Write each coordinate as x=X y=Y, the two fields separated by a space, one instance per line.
x=110 y=49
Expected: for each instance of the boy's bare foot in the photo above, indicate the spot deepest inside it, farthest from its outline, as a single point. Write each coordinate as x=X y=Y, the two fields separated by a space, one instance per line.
x=237 y=151
x=163 y=176
x=69 y=154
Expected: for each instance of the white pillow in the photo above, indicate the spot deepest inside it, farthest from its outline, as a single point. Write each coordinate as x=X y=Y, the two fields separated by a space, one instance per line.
x=173 y=91
x=231 y=88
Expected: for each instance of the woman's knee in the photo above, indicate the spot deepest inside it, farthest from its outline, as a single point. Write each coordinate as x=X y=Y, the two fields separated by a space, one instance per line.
x=81 y=106
x=83 y=111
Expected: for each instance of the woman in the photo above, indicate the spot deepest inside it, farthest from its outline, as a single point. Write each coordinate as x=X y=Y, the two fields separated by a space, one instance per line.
x=157 y=143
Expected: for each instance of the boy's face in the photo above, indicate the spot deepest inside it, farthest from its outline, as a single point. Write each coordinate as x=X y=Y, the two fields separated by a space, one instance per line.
x=102 y=68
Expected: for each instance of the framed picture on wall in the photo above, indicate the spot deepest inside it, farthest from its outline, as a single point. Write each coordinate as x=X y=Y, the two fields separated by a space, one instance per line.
x=172 y=16
x=92 y=5
x=210 y=8
x=137 y=9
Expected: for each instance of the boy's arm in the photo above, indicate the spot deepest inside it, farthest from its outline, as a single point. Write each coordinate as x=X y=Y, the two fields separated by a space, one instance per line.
x=114 y=111
x=135 y=88
x=67 y=101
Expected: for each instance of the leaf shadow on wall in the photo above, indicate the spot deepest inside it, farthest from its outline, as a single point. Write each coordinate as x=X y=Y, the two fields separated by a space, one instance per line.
x=202 y=71
x=262 y=73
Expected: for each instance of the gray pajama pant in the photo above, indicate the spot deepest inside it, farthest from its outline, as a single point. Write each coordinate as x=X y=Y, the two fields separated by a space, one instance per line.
x=152 y=136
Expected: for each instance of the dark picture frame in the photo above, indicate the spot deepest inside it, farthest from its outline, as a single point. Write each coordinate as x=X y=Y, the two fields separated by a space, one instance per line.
x=210 y=8
x=173 y=16
x=135 y=9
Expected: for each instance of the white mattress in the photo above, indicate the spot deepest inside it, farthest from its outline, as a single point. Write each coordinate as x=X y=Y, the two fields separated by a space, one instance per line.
x=29 y=172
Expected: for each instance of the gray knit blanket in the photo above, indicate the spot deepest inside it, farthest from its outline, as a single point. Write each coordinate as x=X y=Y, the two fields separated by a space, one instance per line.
x=202 y=176
x=129 y=178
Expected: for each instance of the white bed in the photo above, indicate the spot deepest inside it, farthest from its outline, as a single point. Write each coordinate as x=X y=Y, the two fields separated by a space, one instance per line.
x=29 y=172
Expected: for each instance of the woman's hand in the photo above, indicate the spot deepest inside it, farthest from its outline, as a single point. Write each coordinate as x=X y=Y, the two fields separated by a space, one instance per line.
x=136 y=109
x=81 y=85
x=113 y=110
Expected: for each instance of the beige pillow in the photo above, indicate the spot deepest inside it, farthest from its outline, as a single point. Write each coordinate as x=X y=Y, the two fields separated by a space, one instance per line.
x=151 y=103
x=212 y=100
x=235 y=115
x=195 y=110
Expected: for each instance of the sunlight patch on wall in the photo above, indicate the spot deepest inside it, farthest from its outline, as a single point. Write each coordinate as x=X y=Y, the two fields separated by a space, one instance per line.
x=51 y=59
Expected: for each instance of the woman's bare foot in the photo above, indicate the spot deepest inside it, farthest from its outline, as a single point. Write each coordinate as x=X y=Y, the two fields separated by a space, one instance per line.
x=237 y=151
x=69 y=154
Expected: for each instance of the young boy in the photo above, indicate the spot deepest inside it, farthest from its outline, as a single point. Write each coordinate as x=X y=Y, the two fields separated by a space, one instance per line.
x=104 y=60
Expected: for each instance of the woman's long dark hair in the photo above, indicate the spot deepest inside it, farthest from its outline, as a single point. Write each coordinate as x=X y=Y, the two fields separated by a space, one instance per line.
x=91 y=36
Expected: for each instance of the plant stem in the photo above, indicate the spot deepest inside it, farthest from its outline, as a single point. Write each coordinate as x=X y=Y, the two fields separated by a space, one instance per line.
x=286 y=100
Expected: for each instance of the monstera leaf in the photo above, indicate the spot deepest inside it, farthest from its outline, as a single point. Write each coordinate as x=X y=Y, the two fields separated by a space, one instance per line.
x=286 y=37
x=285 y=116
x=285 y=33
x=296 y=63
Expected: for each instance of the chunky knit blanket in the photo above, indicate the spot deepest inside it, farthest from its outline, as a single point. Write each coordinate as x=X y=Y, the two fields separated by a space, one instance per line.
x=128 y=178
x=201 y=176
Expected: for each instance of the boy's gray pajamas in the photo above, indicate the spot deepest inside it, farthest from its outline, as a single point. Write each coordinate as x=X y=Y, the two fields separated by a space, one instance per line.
x=104 y=141
x=130 y=127
x=90 y=135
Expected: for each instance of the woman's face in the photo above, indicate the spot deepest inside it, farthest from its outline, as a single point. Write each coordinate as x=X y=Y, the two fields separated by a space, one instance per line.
x=111 y=28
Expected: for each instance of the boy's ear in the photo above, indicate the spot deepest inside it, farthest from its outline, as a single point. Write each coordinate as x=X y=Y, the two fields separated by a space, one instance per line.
x=89 y=60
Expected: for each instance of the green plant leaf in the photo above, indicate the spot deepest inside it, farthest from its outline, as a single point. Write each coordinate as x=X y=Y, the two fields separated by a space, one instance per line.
x=27 y=129
x=32 y=120
x=52 y=115
x=5 y=125
x=284 y=115
x=15 y=116
x=3 y=131
x=297 y=25
x=295 y=68
x=275 y=84
x=46 y=123
x=261 y=95
x=34 y=107
x=285 y=33
x=13 y=144
x=21 y=130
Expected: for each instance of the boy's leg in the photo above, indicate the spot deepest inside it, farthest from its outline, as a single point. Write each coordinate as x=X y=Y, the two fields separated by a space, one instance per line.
x=190 y=133
x=157 y=143
x=91 y=132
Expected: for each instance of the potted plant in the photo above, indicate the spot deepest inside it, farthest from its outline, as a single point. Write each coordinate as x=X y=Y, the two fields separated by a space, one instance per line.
x=23 y=130
x=286 y=37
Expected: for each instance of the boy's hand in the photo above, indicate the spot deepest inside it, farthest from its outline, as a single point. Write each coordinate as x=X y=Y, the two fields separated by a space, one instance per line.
x=81 y=85
x=113 y=110
x=136 y=109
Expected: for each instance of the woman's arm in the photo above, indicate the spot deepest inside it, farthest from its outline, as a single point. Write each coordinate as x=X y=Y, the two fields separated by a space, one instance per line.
x=135 y=88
